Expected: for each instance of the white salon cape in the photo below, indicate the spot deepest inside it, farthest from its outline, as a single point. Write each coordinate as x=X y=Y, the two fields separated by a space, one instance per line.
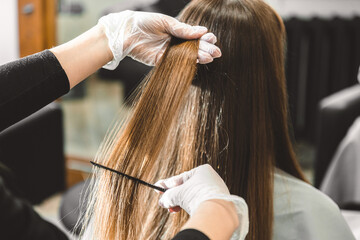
x=342 y=179
x=304 y=213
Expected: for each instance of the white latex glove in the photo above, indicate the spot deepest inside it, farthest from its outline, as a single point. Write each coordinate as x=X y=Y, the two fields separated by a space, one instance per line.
x=144 y=37
x=189 y=189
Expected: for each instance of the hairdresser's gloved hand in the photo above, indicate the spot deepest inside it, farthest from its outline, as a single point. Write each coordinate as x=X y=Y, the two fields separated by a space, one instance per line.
x=189 y=189
x=144 y=37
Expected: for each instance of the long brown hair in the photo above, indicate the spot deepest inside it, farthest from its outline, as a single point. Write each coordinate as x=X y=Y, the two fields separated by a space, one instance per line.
x=231 y=113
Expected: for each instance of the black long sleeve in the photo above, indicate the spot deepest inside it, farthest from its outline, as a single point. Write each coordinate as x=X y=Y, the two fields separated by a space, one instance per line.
x=190 y=234
x=28 y=84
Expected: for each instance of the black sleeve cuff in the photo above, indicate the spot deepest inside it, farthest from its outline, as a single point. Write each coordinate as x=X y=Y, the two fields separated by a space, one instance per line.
x=190 y=234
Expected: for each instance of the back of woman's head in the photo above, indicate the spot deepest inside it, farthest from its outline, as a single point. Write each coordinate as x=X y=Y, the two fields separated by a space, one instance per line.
x=231 y=113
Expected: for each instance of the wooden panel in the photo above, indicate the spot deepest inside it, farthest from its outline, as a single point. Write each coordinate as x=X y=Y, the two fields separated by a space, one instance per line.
x=31 y=31
x=37 y=25
x=50 y=23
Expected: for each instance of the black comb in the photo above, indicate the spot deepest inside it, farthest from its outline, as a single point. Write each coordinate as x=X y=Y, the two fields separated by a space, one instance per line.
x=129 y=177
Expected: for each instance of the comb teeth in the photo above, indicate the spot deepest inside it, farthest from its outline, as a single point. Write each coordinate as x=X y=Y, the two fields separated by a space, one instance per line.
x=129 y=177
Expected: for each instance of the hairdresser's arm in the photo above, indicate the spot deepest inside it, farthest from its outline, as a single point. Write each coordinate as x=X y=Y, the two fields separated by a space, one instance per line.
x=28 y=84
x=84 y=55
x=216 y=219
x=203 y=194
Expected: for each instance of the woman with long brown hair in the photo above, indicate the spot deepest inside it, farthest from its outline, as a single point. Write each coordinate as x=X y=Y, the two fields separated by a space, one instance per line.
x=231 y=114
x=30 y=83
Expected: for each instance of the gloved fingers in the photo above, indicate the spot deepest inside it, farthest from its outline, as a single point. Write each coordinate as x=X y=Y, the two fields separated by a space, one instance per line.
x=207 y=52
x=182 y=30
x=170 y=182
x=161 y=184
x=209 y=48
x=170 y=198
x=209 y=37
x=204 y=57
x=175 y=180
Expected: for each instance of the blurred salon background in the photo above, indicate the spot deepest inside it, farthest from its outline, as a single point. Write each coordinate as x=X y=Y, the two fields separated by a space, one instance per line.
x=323 y=59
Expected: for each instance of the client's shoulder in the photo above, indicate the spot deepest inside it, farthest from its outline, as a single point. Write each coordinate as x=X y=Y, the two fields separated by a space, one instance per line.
x=299 y=195
x=303 y=212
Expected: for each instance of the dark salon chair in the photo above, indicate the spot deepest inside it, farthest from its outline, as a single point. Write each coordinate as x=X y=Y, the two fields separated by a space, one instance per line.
x=337 y=113
x=32 y=150
x=72 y=206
